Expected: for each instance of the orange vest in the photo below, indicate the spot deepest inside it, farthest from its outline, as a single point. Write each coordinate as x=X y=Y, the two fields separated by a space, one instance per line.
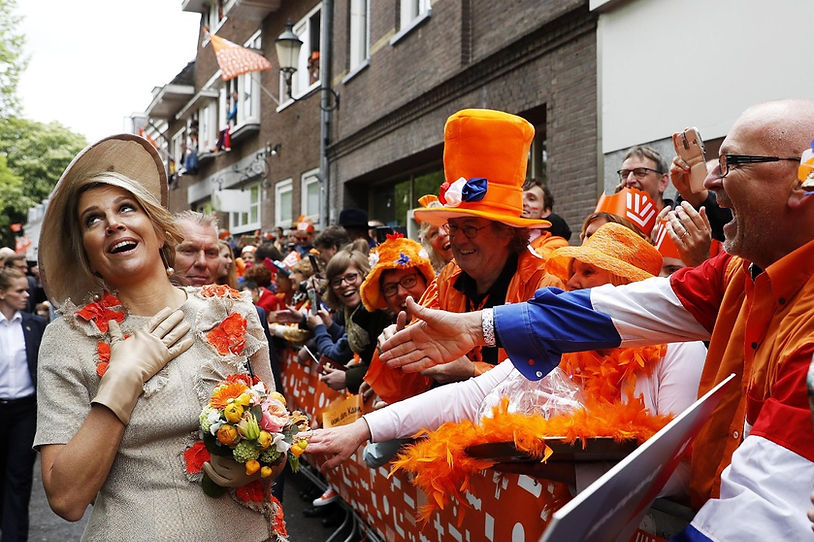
x=529 y=277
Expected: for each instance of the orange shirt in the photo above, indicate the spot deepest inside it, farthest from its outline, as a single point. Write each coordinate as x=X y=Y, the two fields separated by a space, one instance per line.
x=763 y=331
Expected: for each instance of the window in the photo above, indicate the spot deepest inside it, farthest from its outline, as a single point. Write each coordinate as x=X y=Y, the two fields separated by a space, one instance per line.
x=178 y=147
x=306 y=77
x=412 y=10
x=283 y=203
x=208 y=129
x=247 y=87
x=310 y=194
x=250 y=219
x=359 y=33
x=215 y=16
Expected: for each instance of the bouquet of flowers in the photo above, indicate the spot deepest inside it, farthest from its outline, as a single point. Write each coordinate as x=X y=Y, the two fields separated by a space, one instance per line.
x=246 y=422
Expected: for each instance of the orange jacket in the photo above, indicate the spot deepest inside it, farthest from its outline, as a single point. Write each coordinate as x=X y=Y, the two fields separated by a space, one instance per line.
x=547 y=243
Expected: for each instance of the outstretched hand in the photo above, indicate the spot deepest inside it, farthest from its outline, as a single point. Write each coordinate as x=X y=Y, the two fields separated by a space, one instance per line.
x=691 y=233
x=338 y=443
x=435 y=337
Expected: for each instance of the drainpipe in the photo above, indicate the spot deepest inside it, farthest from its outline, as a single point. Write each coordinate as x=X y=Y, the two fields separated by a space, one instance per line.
x=326 y=102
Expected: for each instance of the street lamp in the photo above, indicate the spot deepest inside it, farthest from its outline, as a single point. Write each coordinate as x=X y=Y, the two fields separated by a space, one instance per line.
x=288 y=53
x=288 y=46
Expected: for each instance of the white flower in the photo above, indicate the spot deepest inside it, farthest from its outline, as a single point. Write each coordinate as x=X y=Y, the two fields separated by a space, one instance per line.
x=453 y=193
x=278 y=441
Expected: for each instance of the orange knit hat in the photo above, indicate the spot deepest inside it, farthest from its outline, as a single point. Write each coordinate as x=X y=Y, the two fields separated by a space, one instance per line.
x=612 y=247
x=395 y=253
x=485 y=157
x=633 y=204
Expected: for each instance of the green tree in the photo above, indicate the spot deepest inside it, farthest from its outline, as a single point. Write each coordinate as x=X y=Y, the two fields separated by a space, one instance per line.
x=34 y=155
x=12 y=62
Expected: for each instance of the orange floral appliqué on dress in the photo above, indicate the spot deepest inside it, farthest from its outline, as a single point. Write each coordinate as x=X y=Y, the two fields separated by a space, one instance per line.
x=103 y=350
x=230 y=335
x=101 y=312
x=195 y=456
x=219 y=290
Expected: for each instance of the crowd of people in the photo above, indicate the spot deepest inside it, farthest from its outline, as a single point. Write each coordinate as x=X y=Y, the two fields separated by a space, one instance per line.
x=488 y=306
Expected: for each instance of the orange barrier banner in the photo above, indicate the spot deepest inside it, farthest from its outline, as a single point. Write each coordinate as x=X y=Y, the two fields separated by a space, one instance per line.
x=500 y=506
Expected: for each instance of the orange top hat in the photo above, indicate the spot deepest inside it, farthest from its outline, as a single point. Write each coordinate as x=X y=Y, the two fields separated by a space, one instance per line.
x=395 y=253
x=664 y=243
x=613 y=247
x=485 y=157
x=633 y=204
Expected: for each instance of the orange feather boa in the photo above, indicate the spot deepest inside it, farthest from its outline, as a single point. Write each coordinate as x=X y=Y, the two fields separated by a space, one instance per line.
x=442 y=468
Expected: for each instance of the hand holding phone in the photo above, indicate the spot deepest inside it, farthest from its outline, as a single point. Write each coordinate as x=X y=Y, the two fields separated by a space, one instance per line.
x=690 y=147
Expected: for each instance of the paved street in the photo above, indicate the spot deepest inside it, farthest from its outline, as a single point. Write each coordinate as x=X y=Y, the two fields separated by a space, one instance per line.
x=48 y=527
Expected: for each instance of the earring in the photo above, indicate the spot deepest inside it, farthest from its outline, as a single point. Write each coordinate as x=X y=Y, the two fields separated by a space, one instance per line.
x=170 y=271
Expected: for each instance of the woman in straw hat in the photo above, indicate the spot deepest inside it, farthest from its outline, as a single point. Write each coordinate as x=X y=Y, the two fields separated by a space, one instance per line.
x=124 y=373
x=665 y=382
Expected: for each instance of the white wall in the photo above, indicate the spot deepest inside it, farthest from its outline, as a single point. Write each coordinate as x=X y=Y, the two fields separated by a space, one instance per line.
x=666 y=64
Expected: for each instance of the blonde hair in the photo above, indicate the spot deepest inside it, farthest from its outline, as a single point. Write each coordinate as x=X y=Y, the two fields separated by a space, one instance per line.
x=162 y=220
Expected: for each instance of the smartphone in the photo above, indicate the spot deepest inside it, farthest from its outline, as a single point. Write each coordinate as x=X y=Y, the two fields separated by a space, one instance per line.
x=690 y=147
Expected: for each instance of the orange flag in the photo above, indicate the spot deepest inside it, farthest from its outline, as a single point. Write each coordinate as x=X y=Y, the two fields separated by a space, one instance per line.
x=235 y=60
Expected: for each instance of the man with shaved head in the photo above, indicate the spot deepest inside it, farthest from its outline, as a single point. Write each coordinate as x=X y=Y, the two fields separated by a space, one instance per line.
x=753 y=462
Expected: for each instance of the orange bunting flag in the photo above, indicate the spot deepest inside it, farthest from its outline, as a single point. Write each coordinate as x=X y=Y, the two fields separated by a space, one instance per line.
x=235 y=60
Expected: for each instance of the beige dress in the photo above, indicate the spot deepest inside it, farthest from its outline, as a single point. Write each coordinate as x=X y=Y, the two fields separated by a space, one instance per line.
x=147 y=494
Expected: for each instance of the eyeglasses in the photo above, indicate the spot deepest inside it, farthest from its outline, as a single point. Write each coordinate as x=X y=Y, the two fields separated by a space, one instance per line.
x=389 y=290
x=638 y=172
x=726 y=161
x=469 y=231
x=350 y=278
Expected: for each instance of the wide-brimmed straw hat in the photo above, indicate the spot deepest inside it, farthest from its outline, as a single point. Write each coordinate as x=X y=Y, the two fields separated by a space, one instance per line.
x=613 y=247
x=395 y=253
x=127 y=154
x=485 y=158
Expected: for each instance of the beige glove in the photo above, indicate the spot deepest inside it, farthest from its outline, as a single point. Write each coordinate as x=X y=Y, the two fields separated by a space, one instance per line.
x=226 y=472
x=133 y=361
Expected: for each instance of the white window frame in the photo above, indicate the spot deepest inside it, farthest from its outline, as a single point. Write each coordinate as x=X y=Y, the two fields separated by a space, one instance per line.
x=215 y=17
x=410 y=10
x=177 y=148
x=281 y=188
x=359 y=33
x=244 y=221
x=301 y=80
x=308 y=179
x=207 y=127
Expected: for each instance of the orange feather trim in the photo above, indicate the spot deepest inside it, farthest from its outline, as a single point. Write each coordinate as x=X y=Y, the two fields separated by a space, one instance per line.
x=442 y=468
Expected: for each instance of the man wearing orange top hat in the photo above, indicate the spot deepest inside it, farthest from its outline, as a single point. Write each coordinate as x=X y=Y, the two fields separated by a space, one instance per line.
x=485 y=158
x=753 y=462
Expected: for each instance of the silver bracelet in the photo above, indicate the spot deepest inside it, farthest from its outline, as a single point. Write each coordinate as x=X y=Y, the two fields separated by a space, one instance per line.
x=487 y=324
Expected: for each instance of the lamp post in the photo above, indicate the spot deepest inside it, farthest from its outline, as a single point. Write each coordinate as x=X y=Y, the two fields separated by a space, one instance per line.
x=288 y=46
x=288 y=53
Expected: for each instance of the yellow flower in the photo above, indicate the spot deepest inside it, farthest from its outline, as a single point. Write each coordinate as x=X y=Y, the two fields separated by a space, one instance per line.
x=227 y=434
x=244 y=399
x=232 y=412
x=277 y=395
x=264 y=439
x=265 y=472
x=252 y=466
x=298 y=448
